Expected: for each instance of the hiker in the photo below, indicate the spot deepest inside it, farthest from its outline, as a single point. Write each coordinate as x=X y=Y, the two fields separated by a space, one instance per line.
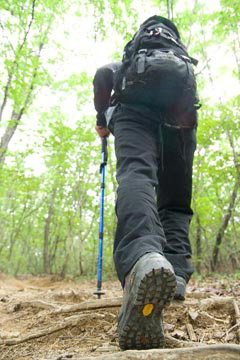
x=152 y=114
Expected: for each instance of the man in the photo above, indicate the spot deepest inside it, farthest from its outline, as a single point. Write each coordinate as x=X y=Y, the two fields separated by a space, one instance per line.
x=154 y=148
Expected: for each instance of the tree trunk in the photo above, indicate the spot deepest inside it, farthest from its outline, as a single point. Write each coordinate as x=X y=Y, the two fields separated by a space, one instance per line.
x=198 y=244
x=46 y=255
x=9 y=132
x=64 y=267
x=168 y=9
x=224 y=225
x=228 y=214
x=80 y=263
x=5 y=97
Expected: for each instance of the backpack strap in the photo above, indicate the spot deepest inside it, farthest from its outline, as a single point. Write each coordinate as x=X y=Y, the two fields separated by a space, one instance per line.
x=141 y=61
x=162 y=31
x=165 y=33
x=156 y=30
x=194 y=61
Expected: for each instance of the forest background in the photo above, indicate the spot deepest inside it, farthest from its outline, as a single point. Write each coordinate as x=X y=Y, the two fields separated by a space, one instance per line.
x=50 y=153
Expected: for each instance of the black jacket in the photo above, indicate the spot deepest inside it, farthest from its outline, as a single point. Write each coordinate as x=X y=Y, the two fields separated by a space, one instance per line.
x=103 y=85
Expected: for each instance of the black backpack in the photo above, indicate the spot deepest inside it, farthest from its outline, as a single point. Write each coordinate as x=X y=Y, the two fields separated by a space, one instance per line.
x=156 y=69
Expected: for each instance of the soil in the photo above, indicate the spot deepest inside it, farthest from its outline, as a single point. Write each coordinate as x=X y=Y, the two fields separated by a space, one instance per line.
x=32 y=325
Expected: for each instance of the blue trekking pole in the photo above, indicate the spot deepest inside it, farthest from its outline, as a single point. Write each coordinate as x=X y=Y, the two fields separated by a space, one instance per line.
x=99 y=291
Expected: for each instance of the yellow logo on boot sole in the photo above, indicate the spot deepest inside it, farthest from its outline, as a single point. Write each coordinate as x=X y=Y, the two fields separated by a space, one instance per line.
x=147 y=310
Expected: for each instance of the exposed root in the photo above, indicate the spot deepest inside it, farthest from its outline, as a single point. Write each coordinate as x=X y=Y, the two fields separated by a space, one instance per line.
x=237 y=317
x=90 y=305
x=39 y=304
x=68 y=322
x=215 y=302
x=58 y=325
x=204 y=304
x=172 y=342
x=219 y=352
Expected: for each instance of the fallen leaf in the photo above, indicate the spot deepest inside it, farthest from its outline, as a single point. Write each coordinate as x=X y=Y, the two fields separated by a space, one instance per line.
x=193 y=314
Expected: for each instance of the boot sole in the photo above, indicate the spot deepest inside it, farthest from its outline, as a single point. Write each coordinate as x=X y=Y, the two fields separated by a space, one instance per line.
x=141 y=326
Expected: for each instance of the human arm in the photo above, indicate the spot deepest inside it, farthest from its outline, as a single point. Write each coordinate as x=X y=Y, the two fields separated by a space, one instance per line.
x=103 y=85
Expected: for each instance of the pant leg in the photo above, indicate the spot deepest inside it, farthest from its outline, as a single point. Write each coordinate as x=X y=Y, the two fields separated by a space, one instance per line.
x=139 y=230
x=174 y=196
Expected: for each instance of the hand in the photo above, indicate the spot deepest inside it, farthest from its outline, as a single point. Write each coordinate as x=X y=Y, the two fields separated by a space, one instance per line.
x=102 y=131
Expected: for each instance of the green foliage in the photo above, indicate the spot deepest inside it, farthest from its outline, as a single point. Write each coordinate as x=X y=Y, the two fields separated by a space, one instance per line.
x=25 y=26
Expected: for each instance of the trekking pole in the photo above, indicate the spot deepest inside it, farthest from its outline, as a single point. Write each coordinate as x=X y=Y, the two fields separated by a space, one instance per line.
x=99 y=291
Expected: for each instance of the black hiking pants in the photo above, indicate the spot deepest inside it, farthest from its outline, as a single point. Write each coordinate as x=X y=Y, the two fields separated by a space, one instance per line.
x=154 y=174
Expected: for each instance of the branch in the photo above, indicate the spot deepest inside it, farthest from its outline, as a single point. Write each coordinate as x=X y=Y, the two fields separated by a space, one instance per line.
x=29 y=25
x=235 y=155
x=235 y=50
x=204 y=67
x=6 y=94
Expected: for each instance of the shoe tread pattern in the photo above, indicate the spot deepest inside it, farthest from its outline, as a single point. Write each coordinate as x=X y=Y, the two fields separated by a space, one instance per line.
x=144 y=332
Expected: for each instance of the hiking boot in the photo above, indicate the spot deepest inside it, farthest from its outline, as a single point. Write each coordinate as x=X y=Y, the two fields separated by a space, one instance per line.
x=181 y=288
x=149 y=288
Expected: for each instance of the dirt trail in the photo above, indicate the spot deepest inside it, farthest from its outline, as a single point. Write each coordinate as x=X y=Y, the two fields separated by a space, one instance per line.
x=37 y=322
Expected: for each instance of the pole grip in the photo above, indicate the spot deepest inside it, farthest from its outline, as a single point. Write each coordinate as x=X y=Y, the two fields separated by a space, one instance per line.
x=104 y=149
x=104 y=153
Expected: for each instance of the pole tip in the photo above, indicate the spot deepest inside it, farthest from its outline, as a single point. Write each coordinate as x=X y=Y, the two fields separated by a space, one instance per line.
x=99 y=292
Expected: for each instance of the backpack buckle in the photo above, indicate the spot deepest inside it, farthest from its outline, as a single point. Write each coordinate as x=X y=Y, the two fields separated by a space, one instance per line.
x=156 y=32
x=142 y=51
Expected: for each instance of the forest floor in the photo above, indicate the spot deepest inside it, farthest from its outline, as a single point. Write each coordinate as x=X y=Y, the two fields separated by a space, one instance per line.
x=45 y=319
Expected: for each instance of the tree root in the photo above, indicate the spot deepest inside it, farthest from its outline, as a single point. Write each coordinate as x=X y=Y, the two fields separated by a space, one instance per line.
x=39 y=304
x=237 y=317
x=71 y=321
x=214 y=352
x=90 y=305
x=204 y=304
x=173 y=342
x=215 y=302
